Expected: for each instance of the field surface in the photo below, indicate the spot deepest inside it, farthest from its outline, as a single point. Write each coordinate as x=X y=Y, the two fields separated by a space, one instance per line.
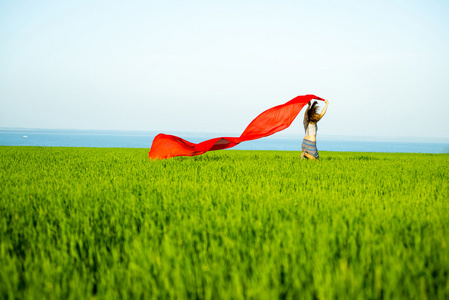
x=81 y=223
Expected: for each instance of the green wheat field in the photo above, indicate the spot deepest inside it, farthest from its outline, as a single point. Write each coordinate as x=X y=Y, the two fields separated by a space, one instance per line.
x=109 y=223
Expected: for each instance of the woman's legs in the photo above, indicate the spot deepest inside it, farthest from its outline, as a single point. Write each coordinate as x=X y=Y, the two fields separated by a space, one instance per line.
x=310 y=156
x=307 y=155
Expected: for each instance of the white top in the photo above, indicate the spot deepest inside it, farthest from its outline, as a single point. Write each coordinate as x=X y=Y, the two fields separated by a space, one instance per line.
x=310 y=128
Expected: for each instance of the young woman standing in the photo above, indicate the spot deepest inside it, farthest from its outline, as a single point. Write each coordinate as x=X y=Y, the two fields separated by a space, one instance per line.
x=311 y=118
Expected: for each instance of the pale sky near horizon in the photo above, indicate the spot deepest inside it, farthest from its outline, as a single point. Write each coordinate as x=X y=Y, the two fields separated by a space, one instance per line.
x=212 y=66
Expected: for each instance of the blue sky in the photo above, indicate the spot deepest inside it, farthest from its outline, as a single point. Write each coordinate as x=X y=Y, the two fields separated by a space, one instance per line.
x=215 y=65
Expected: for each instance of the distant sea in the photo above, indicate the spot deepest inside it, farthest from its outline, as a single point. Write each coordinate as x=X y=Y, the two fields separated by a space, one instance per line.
x=143 y=139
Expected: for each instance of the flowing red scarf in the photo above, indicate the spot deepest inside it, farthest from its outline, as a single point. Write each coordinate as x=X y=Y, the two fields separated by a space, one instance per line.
x=267 y=123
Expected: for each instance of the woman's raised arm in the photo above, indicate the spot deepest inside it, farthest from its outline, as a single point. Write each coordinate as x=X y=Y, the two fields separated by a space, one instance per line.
x=305 y=113
x=324 y=110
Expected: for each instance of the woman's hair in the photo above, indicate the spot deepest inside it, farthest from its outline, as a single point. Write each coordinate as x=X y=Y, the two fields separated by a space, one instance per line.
x=312 y=114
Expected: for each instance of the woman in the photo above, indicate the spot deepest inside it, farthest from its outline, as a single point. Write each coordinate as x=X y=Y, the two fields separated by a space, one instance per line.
x=311 y=117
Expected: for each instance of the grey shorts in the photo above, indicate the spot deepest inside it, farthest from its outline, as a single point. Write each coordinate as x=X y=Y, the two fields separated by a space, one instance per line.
x=310 y=147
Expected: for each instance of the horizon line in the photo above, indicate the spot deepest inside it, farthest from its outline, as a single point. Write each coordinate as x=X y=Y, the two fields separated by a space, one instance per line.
x=277 y=135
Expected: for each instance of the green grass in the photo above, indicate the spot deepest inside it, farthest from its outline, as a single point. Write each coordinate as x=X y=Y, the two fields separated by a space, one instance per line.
x=79 y=223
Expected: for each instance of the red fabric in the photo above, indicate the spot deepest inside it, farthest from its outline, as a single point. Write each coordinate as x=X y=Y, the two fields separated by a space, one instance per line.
x=267 y=123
